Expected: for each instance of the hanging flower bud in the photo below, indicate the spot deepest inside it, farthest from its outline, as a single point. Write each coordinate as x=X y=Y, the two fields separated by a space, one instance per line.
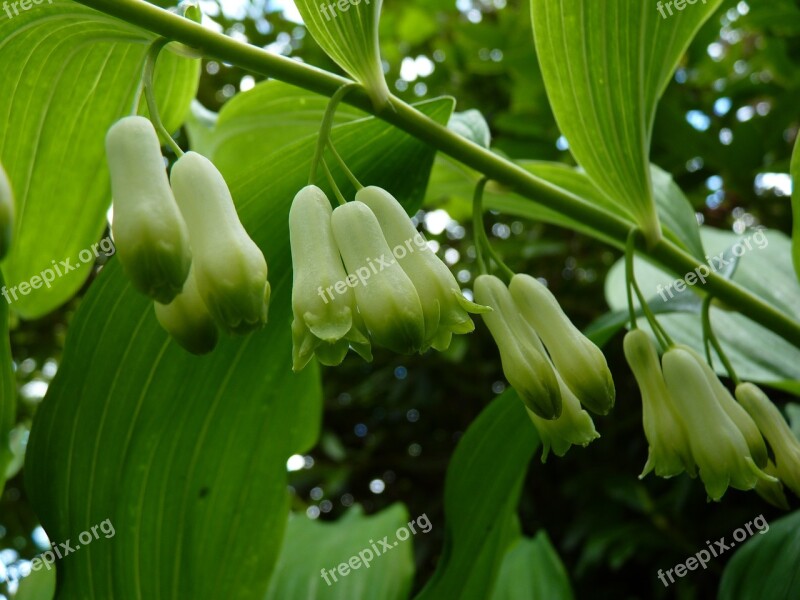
x=748 y=427
x=6 y=213
x=187 y=319
x=579 y=361
x=718 y=446
x=386 y=298
x=785 y=446
x=772 y=491
x=149 y=232
x=445 y=309
x=230 y=269
x=669 y=452
x=525 y=364
x=323 y=302
x=574 y=426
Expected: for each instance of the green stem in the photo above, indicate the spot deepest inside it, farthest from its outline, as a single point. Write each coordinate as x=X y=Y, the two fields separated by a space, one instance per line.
x=630 y=249
x=477 y=223
x=325 y=129
x=343 y=166
x=336 y=191
x=149 y=93
x=480 y=231
x=413 y=122
x=662 y=335
x=710 y=336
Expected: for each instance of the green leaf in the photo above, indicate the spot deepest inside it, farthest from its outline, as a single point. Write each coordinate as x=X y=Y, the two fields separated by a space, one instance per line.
x=766 y=566
x=187 y=455
x=471 y=125
x=39 y=585
x=68 y=73
x=532 y=570
x=765 y=270
x=795 y=172
x=605 y=65
x=312 y=546
x=8 y=393
x=347 y=30
x=488 y=467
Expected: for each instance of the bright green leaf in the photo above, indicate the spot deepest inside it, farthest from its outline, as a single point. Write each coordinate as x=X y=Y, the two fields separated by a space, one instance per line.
x=488 y=467
x=532 y=570
x=311 y=546
x=68 y=73
x=605 y=65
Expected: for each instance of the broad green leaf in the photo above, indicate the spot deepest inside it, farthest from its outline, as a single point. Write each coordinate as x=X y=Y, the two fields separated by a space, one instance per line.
x=766 y=566
x=187 y=455
x=452 y=186
x=532 y=570
x=756 y=353
x=347 y=31
x=8 y=392
x=311 y=547
x=488 y=468
x=605 y=65
x=795 y=172
x=68 y=73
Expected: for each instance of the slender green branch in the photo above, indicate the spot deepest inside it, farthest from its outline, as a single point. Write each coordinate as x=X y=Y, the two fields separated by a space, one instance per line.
x=343 y=166
x=325 y=128
x=410 y=120
x=709 y=334
x=477 y=223
x=149 y=92
x=336 y=191
x=630 y=250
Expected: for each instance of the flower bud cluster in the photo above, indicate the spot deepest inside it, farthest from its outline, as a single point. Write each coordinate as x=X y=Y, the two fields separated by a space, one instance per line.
x=180 y=240
x=552 y=366
x=691 y=421
x=410 y=303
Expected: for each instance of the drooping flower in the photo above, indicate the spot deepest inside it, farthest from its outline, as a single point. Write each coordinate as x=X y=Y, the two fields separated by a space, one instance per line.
x=522 y=355
x=669 y=452
x=326 y=322
x=386 y=298
x=149 y=232
x=445 y=309
x=579 y=361
x=187 y=319
x=718 y=446
x=785 y=446
x=230 y=269
x=574 y=426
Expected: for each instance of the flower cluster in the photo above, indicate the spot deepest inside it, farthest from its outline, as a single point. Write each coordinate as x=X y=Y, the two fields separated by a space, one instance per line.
x=693 y=424
x=553 y=367
x=180 y=241
x=409 y=304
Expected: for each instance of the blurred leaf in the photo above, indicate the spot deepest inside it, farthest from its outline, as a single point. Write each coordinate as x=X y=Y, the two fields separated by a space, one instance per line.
x=766 y=271
x=766 y=566
x=482 y=490
x=187 y=455
x=471 y=125
x=69 y=73
x=348 y=33
x=532 y=570
x=795 y=173
x=313 y=546
x=39 y=585
x=8 y=393
x=605 y=65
